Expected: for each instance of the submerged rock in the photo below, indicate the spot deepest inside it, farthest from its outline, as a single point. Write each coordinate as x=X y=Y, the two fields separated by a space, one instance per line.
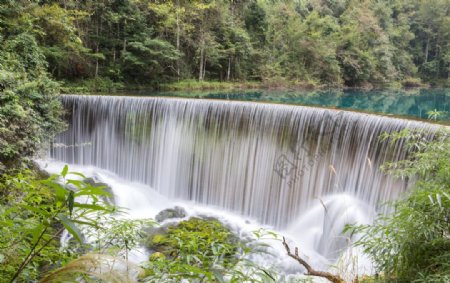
x=176 y=212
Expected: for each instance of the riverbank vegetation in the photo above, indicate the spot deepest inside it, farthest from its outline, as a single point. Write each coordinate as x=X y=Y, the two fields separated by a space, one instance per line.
x=107 y=45
x=412 y=243
x=37 y=212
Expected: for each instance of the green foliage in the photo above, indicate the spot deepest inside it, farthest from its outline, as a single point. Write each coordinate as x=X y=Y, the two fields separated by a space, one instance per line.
x=202 y=250
x=306 y=43
x=34 y=213
x=98 y=84
x=195 y=245
x=147 y=59
x=203 y=85
x=117 y=237
x=29 y=106
x=434 y=114
x=412 y=243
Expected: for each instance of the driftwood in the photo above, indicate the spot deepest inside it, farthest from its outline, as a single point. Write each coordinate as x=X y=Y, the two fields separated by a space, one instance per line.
x=309 y=270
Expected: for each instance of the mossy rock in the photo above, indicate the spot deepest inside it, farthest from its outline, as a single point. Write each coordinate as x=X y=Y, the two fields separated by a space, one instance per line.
x=205 y=239
x=158 y=239
x=157 y=256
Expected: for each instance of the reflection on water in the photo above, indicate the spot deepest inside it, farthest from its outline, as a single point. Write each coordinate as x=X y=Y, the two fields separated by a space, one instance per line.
x=409 y=103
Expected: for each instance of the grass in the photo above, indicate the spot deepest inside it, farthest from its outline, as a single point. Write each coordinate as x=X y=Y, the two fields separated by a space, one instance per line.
x=105 y=85
x=276 y=83
x=209 y=85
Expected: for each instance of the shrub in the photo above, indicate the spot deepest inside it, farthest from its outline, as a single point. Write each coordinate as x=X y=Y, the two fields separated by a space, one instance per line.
x=195 y=245
x=413 y=242
x=29 y=106
x=33 y=215
x=204 y=250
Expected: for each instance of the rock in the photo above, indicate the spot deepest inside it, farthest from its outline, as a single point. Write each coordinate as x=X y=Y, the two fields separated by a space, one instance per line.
x=176 y=212
x=41 y=173
x=107 y=188
x=199 y=237
x=156 y=237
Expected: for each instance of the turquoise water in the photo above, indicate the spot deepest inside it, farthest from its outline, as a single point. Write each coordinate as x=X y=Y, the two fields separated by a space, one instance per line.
x=414 y=104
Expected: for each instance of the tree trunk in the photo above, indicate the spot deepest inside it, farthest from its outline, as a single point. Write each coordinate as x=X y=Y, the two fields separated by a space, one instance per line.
x=96 y=51
x=200 y=68
x=118 y=40
x=204 y=66
x=436 y=57
x=178 y=38
x=96 y=64
x=229 y=68
x=426 y=49
x=202 y=54
x=448 y=72
x=124 y=38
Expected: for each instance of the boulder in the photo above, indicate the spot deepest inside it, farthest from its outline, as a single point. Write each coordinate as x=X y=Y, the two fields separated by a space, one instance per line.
x=176 y=212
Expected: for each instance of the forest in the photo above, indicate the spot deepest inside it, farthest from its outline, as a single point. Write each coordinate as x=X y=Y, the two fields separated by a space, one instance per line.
x=303 y=43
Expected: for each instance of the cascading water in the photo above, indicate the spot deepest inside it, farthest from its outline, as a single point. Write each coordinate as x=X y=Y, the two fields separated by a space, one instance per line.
x=266 y=161
x=269 y=162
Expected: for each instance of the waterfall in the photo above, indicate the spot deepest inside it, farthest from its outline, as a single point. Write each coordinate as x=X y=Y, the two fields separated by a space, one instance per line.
x=266 y=161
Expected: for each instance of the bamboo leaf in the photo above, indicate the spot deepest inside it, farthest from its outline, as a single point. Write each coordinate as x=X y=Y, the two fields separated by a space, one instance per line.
x=70 y=227
x=93 y=191
x=76 y=183
x=92 y=223
x=64 y=171
x=77 y=174
x=60 y=192
x=70 y=202
x=218 y=276
x=93 y=207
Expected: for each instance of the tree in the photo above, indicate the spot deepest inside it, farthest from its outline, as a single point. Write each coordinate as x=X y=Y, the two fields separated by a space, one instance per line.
x=29 y=107
x=147 y=59
x=431 y=26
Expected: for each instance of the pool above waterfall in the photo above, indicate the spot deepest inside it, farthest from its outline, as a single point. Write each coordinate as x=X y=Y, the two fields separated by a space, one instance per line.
x=415 y=104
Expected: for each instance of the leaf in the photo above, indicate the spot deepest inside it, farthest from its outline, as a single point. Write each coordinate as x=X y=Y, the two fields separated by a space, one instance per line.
x=93 y=191
x=52 y=177
x=431 y=199
x=218 y=276
x=60 y=192
x=71 y=227
x=92 y=207
x=70 y=202
x=77 y=174
x=92 y=223
x=64 y=171
x=76 y=183
x=36 y=210
x=36 y=231
x=439 y=200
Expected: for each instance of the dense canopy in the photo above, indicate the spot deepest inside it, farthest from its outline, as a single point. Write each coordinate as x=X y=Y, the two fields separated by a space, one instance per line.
x=308 y=42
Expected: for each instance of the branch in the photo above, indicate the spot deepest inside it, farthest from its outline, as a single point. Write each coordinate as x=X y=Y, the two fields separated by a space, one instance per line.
x=311 y=271
x=32 y=252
